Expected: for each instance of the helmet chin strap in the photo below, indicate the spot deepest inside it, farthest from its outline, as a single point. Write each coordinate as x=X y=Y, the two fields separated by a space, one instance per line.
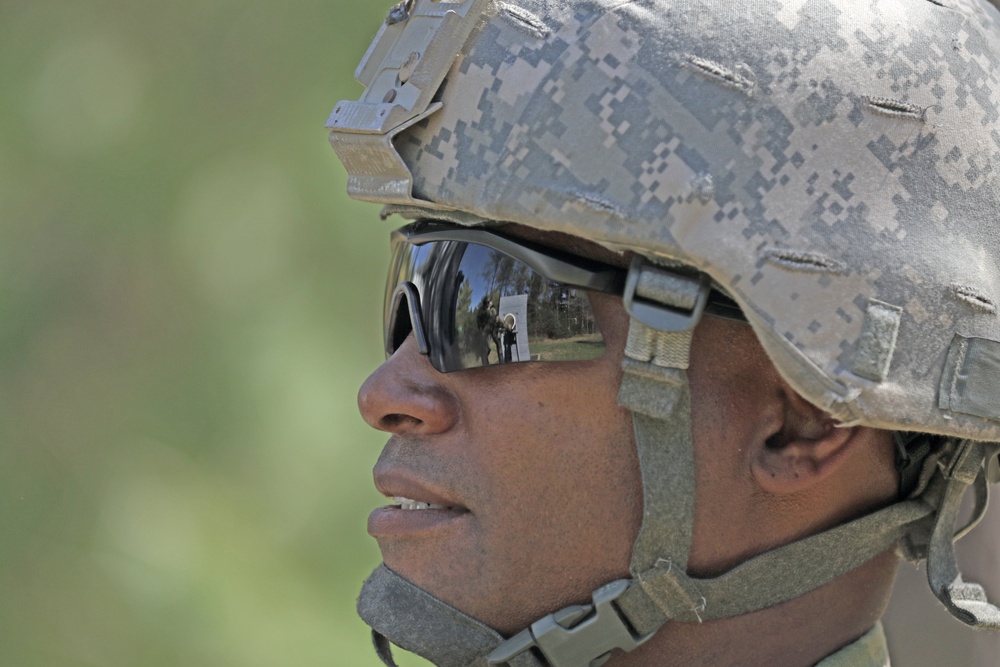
x=624 y=614
x=409 y=617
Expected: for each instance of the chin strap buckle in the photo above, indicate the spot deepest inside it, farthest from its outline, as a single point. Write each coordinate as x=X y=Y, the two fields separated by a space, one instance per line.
x=577 y=636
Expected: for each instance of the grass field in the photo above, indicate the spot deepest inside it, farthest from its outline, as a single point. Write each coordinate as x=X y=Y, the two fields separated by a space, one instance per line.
x=580 y=347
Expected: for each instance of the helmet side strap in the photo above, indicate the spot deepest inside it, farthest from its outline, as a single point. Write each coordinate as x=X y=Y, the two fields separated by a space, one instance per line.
x=773 y=577
x=660 y=401
x=965 y=601
x=797 y=568
x=655 y=388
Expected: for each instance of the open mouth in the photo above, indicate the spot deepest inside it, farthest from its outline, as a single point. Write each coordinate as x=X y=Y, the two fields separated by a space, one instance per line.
x=409 y=517
x=414 y=507
x=410 y=504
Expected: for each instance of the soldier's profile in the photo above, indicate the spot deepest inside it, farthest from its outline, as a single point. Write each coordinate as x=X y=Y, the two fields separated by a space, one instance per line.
x=757 y=362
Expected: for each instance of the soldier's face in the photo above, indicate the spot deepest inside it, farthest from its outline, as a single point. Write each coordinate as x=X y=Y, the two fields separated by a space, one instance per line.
x=537 y=462
x=538 y=465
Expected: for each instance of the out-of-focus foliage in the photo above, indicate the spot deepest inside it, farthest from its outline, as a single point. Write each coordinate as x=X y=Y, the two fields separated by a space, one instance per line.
x=187 y=307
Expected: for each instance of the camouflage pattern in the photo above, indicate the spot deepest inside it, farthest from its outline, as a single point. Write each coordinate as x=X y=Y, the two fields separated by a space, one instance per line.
x=831 y=165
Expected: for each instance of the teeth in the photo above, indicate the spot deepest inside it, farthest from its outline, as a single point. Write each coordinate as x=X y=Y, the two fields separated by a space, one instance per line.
x=410 y=504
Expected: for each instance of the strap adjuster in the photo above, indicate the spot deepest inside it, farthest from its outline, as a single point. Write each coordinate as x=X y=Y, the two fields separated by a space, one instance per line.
x=580 y=635
x=662 y=299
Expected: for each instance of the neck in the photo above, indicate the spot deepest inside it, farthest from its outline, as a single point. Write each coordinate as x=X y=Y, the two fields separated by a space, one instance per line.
x=797 y=633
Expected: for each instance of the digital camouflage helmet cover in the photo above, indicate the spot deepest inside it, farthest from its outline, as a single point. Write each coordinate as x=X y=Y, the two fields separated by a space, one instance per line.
x=834 y=167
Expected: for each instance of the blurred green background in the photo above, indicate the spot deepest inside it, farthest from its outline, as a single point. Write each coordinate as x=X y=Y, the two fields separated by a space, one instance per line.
x=188 y=305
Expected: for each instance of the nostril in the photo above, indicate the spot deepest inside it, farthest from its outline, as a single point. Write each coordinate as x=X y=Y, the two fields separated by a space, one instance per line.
x=394 y=421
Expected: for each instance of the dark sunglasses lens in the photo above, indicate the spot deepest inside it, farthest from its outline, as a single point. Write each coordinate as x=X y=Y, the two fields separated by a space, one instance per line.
x=481 y=307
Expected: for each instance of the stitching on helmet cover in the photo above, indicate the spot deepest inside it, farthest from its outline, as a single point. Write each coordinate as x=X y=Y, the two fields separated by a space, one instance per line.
x=524 y=20
x=894 y=108
x=803 y=261
x=963 y=348
x=742 y=78
x=599 y=203
x=974 y=298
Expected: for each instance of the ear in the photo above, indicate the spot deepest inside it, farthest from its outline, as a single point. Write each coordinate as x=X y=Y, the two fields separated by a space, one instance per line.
x=805 y=450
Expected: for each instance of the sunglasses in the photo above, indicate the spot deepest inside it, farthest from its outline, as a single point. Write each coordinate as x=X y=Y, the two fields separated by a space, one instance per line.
x=475 y=298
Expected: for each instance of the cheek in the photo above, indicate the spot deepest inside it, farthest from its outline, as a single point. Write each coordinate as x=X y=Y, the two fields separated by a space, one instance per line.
x=567 y=474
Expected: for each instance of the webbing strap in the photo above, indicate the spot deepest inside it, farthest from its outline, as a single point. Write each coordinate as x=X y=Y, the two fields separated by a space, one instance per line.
x=770 y=578
x=383 y=649
x=659 y=348
x=668 y=491
x=654 y=387
x=966 y=601
x=414 y=620
x=981 y=489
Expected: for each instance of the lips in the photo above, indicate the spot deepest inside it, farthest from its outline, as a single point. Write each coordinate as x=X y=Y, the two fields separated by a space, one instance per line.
x=417 y=507
x=404 y=487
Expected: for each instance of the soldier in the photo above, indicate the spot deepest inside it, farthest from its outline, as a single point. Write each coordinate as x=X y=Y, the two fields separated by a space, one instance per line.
x=486 y=317
x=509 y=323
x=783 y=214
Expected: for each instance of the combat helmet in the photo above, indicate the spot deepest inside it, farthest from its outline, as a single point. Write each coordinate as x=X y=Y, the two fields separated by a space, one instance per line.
x=833 y=167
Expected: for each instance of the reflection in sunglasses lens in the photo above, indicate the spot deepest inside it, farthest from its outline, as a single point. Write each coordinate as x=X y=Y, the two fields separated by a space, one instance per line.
x=506 y=312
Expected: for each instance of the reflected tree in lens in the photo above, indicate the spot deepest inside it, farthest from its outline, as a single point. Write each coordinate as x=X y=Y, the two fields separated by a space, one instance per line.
x=559 y=322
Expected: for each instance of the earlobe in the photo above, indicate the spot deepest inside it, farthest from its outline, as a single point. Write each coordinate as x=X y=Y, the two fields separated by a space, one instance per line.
x=807 y=449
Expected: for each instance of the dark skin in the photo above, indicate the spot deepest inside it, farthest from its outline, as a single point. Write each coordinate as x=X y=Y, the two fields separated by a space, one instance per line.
x=551 y=485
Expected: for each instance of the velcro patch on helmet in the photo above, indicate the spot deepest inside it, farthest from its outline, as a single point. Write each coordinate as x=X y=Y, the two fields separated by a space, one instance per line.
x=970 y=384
x=878 y=341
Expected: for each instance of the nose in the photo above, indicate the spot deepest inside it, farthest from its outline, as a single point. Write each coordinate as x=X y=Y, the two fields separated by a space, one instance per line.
x=406 y=396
